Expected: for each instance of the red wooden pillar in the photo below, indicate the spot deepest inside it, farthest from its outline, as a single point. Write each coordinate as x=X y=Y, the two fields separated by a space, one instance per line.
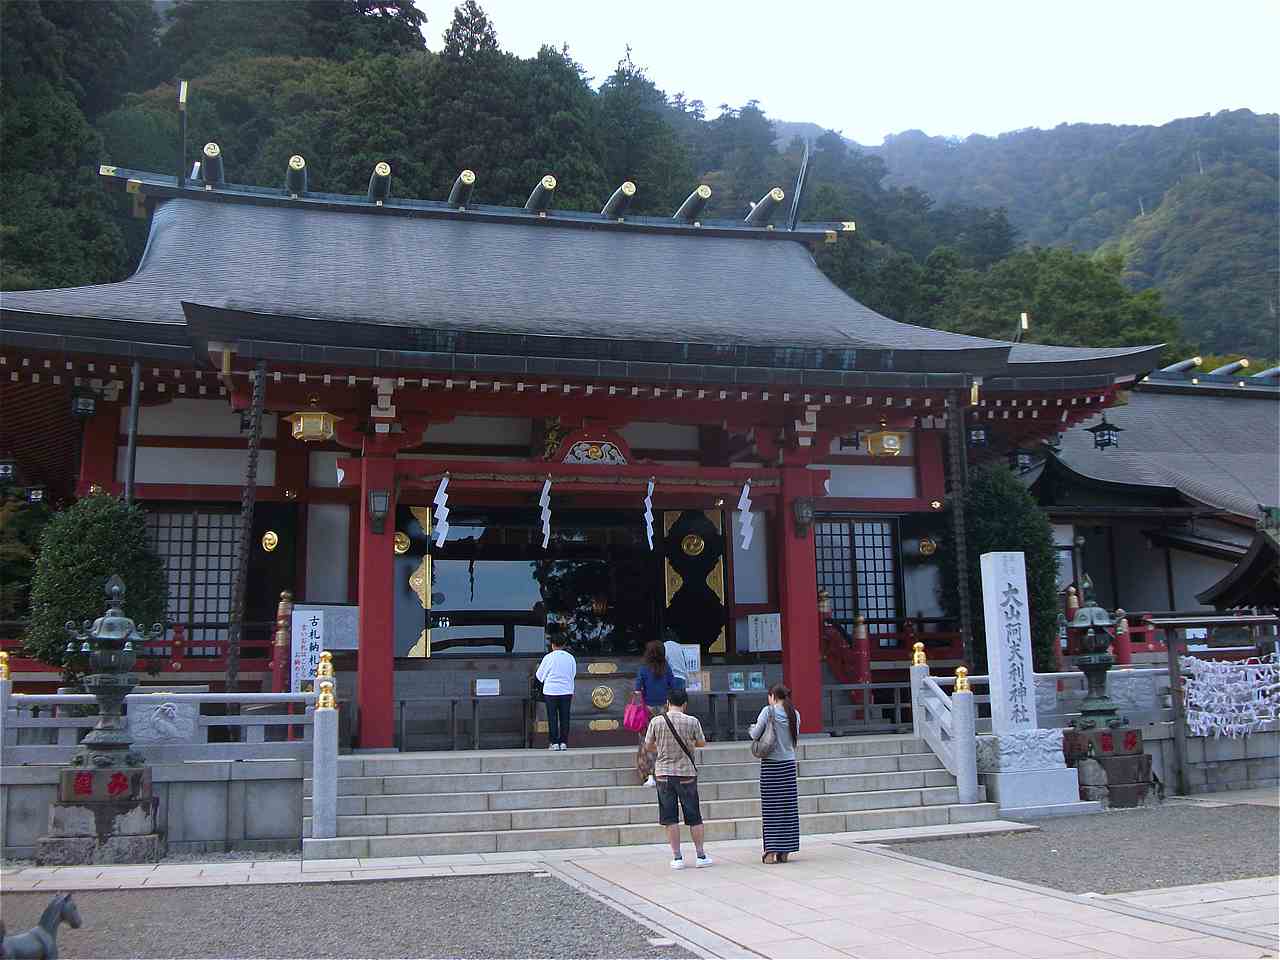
x=931 y=482
x=798 y=596
x=98 y=451
x=375 y=673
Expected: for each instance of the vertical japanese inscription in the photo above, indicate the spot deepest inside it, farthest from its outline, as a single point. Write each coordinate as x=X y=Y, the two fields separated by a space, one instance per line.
x=1004 y=600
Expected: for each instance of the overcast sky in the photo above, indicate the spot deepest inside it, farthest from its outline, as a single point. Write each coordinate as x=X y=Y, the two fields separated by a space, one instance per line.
x=873 y=67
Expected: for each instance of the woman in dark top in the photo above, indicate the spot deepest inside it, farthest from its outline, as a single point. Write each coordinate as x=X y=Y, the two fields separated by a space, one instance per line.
x=653 y=683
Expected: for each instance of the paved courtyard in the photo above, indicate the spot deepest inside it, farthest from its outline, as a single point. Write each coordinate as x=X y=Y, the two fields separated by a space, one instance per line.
x=842 y=897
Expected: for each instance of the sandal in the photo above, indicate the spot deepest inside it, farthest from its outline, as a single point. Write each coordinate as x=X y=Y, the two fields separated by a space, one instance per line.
x=769 y=858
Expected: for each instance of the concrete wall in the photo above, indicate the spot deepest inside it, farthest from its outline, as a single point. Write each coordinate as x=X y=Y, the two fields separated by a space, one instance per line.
x=247 y=805
x=1216 y=764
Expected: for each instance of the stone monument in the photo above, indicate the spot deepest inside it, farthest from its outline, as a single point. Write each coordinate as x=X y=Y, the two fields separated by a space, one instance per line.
x=1022 y=765
x=105 y=811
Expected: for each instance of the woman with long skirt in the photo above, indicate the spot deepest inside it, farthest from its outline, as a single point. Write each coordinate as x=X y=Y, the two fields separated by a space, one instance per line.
x=779 y=805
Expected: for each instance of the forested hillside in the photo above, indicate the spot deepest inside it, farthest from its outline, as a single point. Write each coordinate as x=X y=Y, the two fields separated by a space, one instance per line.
x=347 y=83
x=1191 y=206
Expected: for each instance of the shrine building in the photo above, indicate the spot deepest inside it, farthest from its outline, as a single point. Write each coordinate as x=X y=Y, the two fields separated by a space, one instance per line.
x=345 y=354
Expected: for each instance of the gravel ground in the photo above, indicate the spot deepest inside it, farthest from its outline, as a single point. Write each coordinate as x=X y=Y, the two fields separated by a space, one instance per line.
x=514 y=915
x=225 y=856
x=1123 y=850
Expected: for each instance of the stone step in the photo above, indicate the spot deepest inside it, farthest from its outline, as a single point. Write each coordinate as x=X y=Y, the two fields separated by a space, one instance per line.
x=608 y=815
x=578 y=778
x=396 y=803
x=537 y=838
x=597 y=758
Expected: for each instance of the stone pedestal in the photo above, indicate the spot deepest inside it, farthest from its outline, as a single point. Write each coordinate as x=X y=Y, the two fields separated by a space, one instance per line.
x=106 y=815
x=1026 y=773
x=1112 y=765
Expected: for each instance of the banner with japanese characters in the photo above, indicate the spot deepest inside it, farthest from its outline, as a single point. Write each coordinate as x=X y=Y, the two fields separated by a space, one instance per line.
x=308 y=642
x=1008 y=622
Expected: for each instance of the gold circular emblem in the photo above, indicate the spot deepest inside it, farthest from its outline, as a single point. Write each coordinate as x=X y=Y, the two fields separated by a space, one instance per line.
x=400 y=543
x=693 y=544
x=928 y=546
x=602 y=697
x=594 y=451
x=270 y=540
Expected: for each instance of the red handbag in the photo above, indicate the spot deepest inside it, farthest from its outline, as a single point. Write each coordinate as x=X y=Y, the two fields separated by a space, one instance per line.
x=635 y=717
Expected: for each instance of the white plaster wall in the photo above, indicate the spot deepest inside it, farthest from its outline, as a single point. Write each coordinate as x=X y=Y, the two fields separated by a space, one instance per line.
x=498 y=431
x=660 y=436
x=1193 y=573
x=328 y=552
x=750 y=567
x=322 y=468
x=192 y=417
x=920 y=585
x=873 y=482
x=1140 y=570
x=195 y=465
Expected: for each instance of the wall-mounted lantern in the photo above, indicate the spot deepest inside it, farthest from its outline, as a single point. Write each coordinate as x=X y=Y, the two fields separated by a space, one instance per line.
x=886 y=443
x=379 y=506
x=802 y=512
x=84 y=404
x=977 y=435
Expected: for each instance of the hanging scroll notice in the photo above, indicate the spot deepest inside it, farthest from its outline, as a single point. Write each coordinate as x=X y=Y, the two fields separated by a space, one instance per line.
x=308 y=641
x=1008 y=622
x=1226 y=699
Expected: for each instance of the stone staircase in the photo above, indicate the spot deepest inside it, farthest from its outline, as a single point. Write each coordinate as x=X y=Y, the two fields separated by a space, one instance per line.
x=501 y=801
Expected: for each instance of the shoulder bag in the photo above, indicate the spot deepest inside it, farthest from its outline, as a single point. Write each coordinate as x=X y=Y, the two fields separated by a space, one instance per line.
x=764 y=744
x=680 y=740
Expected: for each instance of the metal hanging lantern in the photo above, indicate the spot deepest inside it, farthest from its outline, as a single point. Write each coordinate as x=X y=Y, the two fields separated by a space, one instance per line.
x=977 y=435
x=1105 y=434
x=885 y=442
x=84 y=404
x=1021 y=459
x=313 y=425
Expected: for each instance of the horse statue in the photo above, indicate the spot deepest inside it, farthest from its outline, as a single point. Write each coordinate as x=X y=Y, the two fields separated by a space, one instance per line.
x=41 y=941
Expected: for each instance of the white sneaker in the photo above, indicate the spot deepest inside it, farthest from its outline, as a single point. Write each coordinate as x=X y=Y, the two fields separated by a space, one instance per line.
x=564 y=746
x=553 y=746
x=677 y=864
x=703 y=861
x=651 y=782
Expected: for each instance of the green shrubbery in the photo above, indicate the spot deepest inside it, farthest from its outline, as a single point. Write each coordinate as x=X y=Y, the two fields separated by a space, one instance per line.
x=79 y=549
x=1000 y=514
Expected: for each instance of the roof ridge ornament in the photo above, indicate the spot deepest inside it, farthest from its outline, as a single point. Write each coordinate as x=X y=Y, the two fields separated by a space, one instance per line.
x=380 y=183
x=211 y=166
x=693 y=205
x=539 y=201
x=764 y=208
x=617 y=204
x=460 y=193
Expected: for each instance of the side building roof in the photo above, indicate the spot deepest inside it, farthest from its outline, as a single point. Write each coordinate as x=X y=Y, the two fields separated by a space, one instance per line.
x=1218 y=450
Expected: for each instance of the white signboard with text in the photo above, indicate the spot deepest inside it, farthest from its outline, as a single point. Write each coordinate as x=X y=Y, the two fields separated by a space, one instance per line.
x=308 y=642
x=764 y=632
x=1008 y=623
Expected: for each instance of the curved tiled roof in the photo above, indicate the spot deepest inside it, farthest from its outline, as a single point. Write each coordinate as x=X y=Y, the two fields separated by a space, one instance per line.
x=530 y=279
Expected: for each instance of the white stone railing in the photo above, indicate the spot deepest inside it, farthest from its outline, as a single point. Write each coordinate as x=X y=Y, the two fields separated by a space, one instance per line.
x=946 y=722
x=166 y=727
x=1140 y=693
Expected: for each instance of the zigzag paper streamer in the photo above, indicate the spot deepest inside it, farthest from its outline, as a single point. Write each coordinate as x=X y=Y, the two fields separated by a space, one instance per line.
x=746 y=522
x=648 y=514
x=544 y=501
x=440 y=519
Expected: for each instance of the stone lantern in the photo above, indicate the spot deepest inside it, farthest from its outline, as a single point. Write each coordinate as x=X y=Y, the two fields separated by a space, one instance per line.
x=105 y=811
x=1094 y=627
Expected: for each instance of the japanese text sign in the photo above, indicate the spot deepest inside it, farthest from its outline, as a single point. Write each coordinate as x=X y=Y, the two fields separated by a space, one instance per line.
x=1008 y=622
x=308 y=642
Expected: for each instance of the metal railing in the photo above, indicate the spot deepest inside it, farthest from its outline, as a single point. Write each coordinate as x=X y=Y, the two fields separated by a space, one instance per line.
x=167 y=727
x=853 y=708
